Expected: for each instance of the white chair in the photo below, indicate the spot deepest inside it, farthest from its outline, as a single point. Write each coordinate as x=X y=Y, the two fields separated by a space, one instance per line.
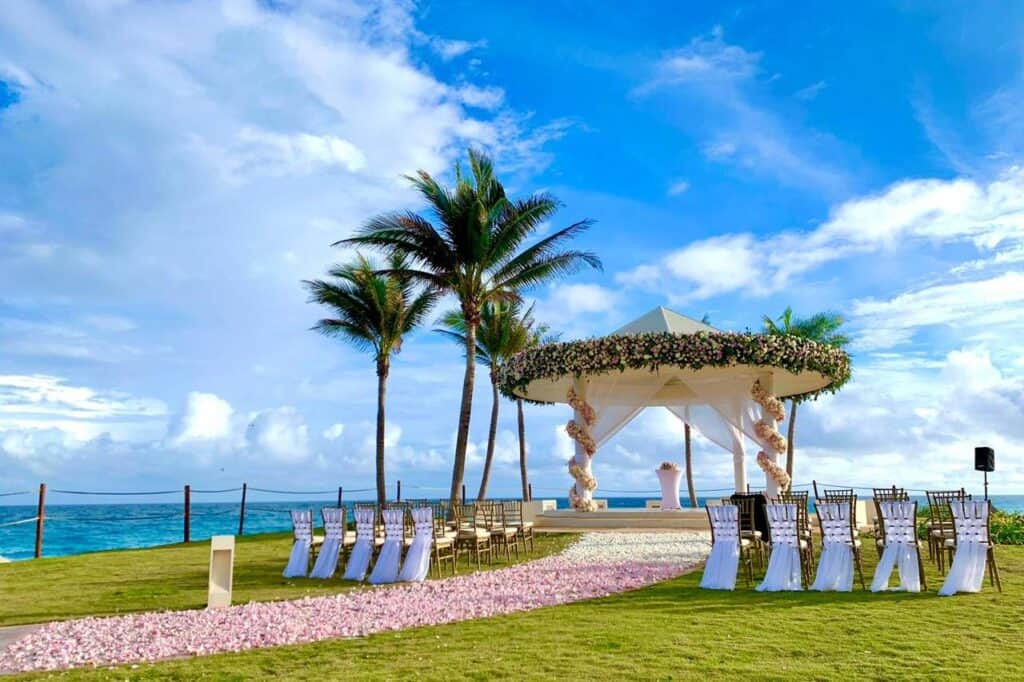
x=785 y=568
x=359 y=559
x=840 y=548
x=334 y=535
x=390 y=558
x=727 y=549
x=897 y=524
x=417 y=559
x=302 y=547
x=974 y=548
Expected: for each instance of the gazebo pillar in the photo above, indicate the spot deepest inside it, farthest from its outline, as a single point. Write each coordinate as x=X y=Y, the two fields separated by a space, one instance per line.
x=739 y=464
x=771 y=487
x=580 y=386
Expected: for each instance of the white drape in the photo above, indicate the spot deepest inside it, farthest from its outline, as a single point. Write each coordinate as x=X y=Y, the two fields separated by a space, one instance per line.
x=302 y=529
x=359 y=559
x=417 y=559
x=783 y=574
x=723 y=562
x=390 y=557
x=970 y=521
x=899 y=521
x=334 y=529
x=835 y=568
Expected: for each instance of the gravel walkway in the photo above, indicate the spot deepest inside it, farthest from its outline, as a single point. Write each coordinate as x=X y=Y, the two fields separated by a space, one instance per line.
x=598 y=565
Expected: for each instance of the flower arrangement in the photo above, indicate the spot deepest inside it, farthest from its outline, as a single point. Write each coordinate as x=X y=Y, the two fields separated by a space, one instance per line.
x=693 y=351
x=668 y=466
x=581 y=434
x=769 y=435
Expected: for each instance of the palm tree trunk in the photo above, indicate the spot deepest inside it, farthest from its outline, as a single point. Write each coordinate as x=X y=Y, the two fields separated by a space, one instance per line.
x=382 y=380
x=465 y=411
x=791 y=430
x=522 y=452
x=689 y=467
x=491 y=436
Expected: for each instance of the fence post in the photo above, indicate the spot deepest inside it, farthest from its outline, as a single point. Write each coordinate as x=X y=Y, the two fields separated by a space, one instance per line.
x=398 y=497
x=529 y=492
x=188 y=512
x=463 y=493
x=40 y=514
x=340 y=490
x=241 y=513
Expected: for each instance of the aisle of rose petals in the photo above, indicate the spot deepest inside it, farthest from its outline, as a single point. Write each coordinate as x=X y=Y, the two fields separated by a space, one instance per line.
x=597 y=565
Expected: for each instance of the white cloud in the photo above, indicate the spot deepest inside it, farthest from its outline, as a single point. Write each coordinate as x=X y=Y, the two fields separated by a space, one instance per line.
x=678 y=187
x=280 y=432
x=932 y=211
x=262 y=151
x=705 y=59
x=482 y=98
x=206 y=417
x=334 y=432
x=450 y=49
x=811 y=91
x=40 y=395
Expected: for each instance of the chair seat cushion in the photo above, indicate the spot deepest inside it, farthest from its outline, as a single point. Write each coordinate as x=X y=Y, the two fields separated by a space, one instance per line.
x=349 y=540
x=756 y=534
x=473 y=533
x=318 y=540
x=744 y=542
x=444 y=541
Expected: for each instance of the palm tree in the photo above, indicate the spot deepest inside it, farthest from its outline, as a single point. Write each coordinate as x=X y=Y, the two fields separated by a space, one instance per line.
x=373 y=312
x=820 y=327
x=474 y=250
x=504 y=331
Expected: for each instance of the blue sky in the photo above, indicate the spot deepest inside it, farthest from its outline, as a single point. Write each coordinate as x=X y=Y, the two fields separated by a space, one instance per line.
x=171 y=171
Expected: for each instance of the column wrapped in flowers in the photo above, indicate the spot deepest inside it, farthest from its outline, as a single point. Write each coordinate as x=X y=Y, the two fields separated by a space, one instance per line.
x=579 y=465
x=769 y=435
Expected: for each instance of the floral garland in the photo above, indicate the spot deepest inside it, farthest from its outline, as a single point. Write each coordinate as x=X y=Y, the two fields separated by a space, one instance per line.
x=766 y=431
x=693 y=351
x=581 y=434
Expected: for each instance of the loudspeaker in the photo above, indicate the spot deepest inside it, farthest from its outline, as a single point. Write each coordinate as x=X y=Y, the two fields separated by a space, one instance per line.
x=984 y=459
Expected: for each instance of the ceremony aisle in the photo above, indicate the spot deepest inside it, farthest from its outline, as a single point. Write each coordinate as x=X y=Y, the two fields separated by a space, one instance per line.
x=598 y=565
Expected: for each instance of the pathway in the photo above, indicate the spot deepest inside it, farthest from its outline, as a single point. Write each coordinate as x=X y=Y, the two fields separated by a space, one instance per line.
x=597 y=565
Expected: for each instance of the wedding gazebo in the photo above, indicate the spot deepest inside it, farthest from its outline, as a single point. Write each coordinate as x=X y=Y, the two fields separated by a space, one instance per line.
x=726 y=385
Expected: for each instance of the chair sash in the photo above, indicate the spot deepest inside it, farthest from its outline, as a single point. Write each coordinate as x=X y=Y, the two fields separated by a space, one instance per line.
x=417 y=559
x=723 y=562
x=970 y=521
x=783 y=574
x=334 y=531
x=302 y=530
x=390 y=558
x=899 y=520
x=362 y=550
x=835 y=569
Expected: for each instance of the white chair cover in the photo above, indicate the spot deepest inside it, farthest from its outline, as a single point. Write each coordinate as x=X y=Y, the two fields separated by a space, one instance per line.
x=835 y=568
x=900 y=522
x=362 y=550
x=970 y=521
x=417 y=559
x=390 y=558
x=723 y=562
x=302 y=529
x=334 y=531
x=783 y=574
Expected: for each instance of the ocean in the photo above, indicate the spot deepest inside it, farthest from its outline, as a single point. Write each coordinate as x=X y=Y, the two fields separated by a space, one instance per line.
x=79 y=528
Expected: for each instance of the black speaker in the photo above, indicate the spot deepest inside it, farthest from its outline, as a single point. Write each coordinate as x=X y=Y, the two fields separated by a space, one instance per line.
x=984 y=459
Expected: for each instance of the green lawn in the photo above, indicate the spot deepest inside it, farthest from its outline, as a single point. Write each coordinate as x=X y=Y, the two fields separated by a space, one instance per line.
x=673 y=631
x=170 y=577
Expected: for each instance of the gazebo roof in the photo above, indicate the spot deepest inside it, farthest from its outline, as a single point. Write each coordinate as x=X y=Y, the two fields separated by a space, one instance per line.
x=680 y=353
x=662 y=319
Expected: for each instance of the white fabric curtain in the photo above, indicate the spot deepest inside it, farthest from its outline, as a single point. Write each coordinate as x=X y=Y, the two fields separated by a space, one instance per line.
x=390 y=558
x=362 y=550
x=899 y=520
x=302 y=530
x=970 y=521
x=783 y=574
x=723 y=562
x=334 y=529
x=417 y=559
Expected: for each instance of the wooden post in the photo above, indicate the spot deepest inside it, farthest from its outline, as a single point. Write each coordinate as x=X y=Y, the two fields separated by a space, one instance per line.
x=398 y=497
x=188 y=512
x=241 y=513
x=339 y=496
x=463 y=493
x=40 y=514
x=529 y=492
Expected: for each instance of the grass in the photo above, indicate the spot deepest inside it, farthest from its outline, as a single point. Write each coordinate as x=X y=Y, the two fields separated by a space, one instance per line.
x=672 y=630
x=169 y=577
